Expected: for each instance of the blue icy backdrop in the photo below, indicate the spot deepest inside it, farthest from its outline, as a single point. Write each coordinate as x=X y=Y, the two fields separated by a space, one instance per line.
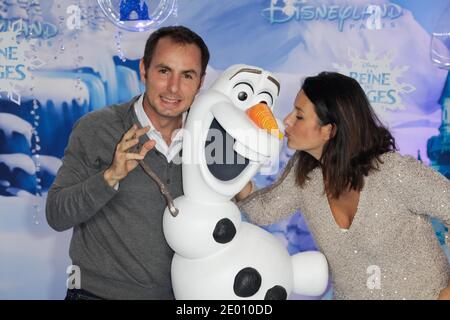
x=85 y=66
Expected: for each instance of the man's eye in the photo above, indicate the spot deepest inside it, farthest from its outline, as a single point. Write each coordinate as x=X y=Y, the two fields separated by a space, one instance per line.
x=299 y=117
x=188 y=76
x=163 y=71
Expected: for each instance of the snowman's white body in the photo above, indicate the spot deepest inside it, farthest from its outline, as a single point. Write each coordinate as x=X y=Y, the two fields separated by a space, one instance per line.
x=217 y=255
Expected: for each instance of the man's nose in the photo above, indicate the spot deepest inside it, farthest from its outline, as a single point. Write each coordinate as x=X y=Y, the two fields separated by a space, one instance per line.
x=174 y=84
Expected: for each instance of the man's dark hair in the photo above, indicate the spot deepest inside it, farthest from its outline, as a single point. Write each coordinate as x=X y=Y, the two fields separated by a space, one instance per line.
x=177 y=34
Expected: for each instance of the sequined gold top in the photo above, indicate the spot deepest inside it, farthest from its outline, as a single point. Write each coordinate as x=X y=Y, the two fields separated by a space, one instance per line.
x=390 y=250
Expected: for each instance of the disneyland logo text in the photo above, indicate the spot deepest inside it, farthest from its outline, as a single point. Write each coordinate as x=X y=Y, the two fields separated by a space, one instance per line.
x=34 y=29
x=302 y=11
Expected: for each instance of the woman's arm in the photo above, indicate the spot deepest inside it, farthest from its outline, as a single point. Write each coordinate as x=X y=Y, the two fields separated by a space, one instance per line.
x=423 y=189
x=245 y=192
x=273 y=203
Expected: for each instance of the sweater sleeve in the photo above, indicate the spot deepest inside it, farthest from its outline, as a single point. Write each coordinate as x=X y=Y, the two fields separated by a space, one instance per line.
x=275 y=202
x=79 y=190
x=423 y=189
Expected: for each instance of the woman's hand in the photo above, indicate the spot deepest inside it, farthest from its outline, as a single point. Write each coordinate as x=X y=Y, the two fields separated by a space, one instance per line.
x=445 y=293
x=245 y=191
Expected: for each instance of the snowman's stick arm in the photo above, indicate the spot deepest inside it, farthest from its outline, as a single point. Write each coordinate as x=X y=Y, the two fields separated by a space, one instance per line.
x=165 y=192
x=162 y=187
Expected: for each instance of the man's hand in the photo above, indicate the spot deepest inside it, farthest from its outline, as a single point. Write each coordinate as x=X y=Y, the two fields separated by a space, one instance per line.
x=445 y=293
x=124 y=162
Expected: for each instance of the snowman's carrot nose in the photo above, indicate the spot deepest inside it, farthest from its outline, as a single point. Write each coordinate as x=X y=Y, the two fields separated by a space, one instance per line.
x=263 y=117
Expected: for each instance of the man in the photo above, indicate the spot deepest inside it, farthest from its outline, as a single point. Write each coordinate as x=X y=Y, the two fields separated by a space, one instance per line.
x=114 y=208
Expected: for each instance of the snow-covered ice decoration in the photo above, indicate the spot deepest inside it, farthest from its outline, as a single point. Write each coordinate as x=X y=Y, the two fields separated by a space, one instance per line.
x=20 y=170
x=137 y=15
x=10 y=123
x=17 y=60
x=379 y=80
x=18 y=161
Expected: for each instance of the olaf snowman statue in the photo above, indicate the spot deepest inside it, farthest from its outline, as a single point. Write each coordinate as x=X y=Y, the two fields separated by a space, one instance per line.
x=217 y=255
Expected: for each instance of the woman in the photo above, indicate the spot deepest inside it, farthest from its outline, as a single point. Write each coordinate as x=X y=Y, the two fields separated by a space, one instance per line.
x=368 y=207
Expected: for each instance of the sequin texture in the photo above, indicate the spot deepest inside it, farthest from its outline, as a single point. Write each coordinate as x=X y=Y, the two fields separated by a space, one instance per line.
x=391 y=229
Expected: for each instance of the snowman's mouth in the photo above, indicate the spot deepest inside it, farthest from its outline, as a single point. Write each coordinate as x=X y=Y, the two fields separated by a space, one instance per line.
x=223 y=162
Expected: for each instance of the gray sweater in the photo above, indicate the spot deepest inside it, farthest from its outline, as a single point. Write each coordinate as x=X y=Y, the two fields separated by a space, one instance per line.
x=117 y=241
x=390 y=250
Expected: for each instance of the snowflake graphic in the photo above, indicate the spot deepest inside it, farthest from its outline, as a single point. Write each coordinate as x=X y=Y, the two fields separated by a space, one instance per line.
x=16 y=55
x=378 y=78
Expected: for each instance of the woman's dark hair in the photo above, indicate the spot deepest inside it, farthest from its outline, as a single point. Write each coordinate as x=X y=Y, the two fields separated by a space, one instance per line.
x=177 y=34
x=358 y=135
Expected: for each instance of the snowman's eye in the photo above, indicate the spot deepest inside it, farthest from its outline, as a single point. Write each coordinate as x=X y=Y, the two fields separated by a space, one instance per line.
x=266 y=97
x=242 y=92
x=242 y=95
